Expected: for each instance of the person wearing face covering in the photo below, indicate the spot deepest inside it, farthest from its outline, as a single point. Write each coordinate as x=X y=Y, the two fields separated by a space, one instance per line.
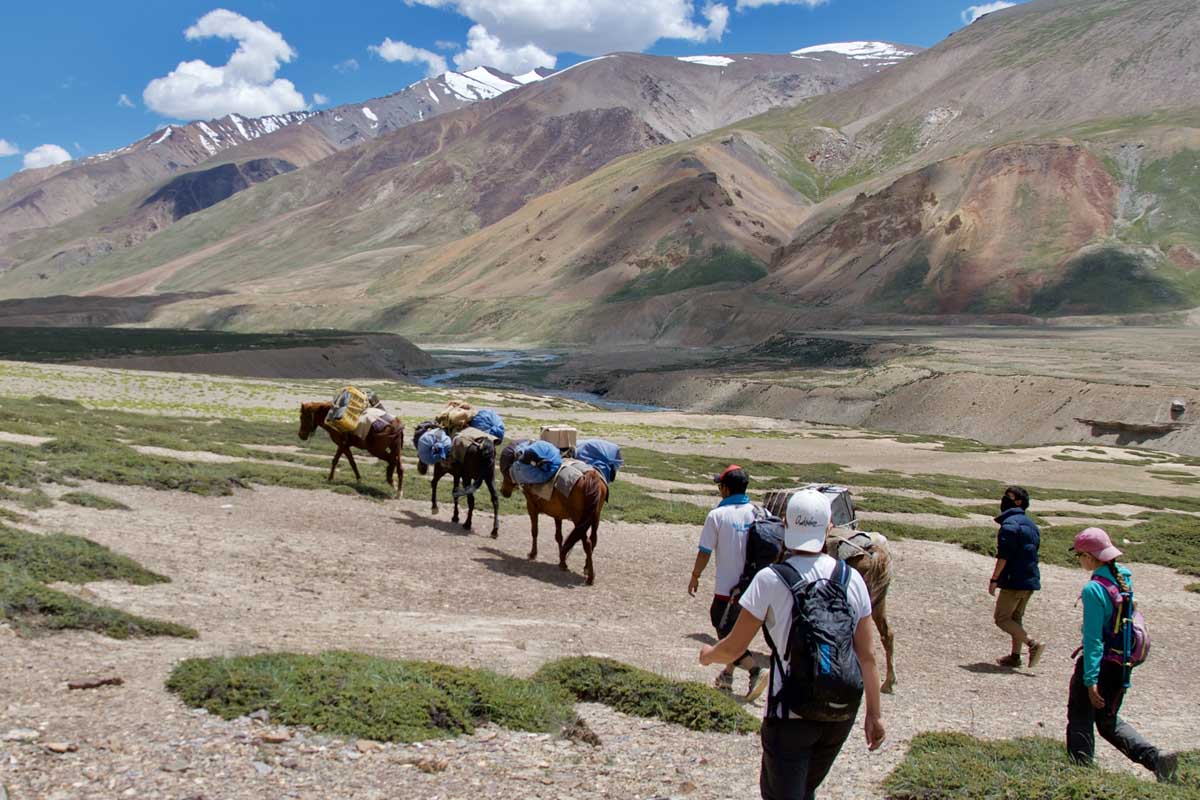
x=1016 y=575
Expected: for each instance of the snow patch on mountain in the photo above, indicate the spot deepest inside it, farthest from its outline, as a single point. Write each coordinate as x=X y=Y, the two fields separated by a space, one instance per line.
x=369 y=114
x=489 y=78
x=533 y=76
x=859 y=51
x=708 y=61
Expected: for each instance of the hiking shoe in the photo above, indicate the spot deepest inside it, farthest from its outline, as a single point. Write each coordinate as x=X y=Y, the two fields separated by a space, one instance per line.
x=1167 y=768
x=758 y=683
x=1035 y=653
x=1011 y=661
x=724 y=682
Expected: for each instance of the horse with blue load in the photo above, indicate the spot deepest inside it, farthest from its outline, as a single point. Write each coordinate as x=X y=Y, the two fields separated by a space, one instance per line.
x=469 y=457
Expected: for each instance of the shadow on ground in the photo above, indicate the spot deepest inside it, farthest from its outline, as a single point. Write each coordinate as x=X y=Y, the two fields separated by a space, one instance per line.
x=517 y=566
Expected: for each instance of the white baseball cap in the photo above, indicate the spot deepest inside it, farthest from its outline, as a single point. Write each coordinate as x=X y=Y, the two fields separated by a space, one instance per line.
x=807 y=521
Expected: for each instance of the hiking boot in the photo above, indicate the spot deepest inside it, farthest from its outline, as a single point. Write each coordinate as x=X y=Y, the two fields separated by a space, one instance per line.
x=1011 y=661
x=724 y=682
x=758 y=683
x=1035 y=653
x=1167 y=768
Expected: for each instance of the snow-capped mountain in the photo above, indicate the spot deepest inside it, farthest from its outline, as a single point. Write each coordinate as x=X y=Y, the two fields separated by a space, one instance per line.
x=876 y=54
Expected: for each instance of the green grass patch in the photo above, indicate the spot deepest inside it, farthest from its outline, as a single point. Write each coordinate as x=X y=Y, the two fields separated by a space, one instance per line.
x=942 y=766
x=902 y=504
x=28 y=561
x=720 y=264
x=352 y=694
x=644 y=694
x=1193 y=587
x=96 y=501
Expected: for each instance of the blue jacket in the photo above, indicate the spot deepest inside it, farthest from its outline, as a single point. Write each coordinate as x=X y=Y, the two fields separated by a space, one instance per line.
x=1017 y=542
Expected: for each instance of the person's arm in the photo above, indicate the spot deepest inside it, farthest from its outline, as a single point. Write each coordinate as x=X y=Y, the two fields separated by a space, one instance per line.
x=697 y=570
x=997 y=571
x=1004 y=546
x=1095 y=617
x=864 y=648
x=738 y=641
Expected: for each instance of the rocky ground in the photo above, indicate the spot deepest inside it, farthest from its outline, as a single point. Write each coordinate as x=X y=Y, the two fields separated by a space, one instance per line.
x=278 y=569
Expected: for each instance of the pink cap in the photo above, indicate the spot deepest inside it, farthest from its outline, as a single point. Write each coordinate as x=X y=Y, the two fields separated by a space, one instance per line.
x=1095 y=542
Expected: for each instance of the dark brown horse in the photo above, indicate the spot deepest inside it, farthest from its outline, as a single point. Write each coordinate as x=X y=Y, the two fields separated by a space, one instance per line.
x=583 y=508
x=385 y=444
x=472 y=467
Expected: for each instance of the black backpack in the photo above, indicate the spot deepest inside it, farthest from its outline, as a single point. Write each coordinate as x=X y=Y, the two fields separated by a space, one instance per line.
x=764 y=543
x=823 y=680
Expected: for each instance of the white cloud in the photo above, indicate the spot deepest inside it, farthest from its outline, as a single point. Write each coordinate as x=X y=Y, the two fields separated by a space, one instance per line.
x=589 y=27
x=483 y=49
x=246 y=84
x=392 y=51
x=7 y=148
x=124 y=102
x=46 y=155
x=972 y=13
x=443 y=44
x=347 y=66
x=320 y=99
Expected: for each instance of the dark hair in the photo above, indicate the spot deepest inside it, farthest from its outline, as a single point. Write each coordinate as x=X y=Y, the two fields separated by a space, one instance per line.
x=1018 y=494
x=736 y=482
x=1118 y=578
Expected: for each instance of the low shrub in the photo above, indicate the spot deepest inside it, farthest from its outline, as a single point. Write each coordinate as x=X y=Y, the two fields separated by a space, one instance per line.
x=59 y=557
x=96 y=501
x=644 y=694
x=945 y=766
x=375 y=698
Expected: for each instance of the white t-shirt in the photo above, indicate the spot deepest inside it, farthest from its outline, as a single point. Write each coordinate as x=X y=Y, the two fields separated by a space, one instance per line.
x=724 y=535
x=769 y=599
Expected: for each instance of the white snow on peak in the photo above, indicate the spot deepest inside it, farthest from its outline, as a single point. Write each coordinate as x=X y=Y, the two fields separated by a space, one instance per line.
x=708 y=61
x=433 y=96
x=369 y=114
x=471 y=89
x=859 y=51
x=528 y=77
x=488 y=78
x=237 y=121
x=165 y=135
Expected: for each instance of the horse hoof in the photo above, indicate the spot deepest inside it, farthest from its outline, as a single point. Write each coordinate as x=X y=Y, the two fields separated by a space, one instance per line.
x=888 y=688
x=591 y=579
x=532 y=555
x=495 y=534
x=563 y=566
x=466 y=525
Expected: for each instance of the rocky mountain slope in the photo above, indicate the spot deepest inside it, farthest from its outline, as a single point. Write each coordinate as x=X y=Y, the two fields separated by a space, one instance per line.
x=427 y=183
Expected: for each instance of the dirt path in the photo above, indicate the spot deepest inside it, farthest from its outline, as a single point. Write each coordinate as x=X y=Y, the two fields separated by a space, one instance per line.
x=279 y=569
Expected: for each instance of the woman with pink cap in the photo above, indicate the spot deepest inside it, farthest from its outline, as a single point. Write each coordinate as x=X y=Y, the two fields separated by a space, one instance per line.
x=1101 y=678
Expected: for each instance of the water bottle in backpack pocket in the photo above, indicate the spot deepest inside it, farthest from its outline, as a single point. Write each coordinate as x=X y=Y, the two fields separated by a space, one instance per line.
x=1126 y=638
x=823 y=680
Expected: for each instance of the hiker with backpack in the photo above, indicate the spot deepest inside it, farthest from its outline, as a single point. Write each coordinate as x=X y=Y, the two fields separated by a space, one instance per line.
x=817 y=613
x=1114 y=642
x=1016 y=575
x=725 y=530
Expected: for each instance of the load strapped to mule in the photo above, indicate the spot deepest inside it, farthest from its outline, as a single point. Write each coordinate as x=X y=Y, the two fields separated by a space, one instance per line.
x=541 y=468
x=349 y=404
x=851 y=541
x=459 y=415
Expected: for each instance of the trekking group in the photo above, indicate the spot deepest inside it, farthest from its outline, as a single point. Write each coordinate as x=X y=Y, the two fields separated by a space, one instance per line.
x=814 y=610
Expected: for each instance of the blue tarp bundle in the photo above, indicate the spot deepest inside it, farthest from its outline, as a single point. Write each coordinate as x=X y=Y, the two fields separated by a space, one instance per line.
x=547 y=463
x=490 y=423
x=434 y=447
x=603 y=455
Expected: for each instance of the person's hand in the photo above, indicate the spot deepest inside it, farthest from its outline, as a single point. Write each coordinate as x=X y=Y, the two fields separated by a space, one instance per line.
x=992 y=586
x=693 y=585
x=1094 y=696
x=706 y=654
x=873 y=728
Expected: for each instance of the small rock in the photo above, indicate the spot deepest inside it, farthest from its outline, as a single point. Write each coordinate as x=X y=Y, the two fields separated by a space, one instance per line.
x=368 y=745
x=275 y=737
x=178 y=765
x=261 y=768
x=62 y=747
x=687 y=787
x=95 y=683
x=262 y=715
x=432 y=765
x=21 y=735
x=290 y=763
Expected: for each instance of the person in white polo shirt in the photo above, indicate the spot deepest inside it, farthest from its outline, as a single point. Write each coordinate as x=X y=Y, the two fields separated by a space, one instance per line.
x=724 y=536
x=806 y=722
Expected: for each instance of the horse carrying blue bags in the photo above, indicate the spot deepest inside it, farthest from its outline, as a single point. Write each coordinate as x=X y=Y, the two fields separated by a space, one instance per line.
x=601 y=454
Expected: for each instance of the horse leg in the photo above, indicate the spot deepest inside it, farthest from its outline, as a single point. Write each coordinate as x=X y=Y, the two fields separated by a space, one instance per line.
x=577 y=533
x=470 y=509
x=558 y=531
x=533 y=528
x=491 y=484
x=454 y=494
x=336 y=458
x=437 y=476
x=879 y=614
x=353 y=466
x=399 y=476
x=589 y=544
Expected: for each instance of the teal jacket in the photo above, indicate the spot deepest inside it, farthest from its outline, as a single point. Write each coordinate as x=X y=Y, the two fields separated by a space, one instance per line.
x=1097 y=615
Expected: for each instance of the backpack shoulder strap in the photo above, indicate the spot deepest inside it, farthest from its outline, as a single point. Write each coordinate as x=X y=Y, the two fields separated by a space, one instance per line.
x=788 y=574
x=841 y=574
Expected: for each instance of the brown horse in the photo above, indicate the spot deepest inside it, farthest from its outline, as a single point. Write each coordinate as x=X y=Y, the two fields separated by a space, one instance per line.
x=384 y=445
x=583 y=508
x=472 y=467
x=874 y=563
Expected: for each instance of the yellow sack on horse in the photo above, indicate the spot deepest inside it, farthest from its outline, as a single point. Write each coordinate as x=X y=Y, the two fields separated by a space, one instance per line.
x=348 y=406
x=456 y=416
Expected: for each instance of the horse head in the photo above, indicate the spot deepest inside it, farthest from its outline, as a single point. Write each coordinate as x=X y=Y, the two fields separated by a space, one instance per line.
x=311 y=417
x=508 y=457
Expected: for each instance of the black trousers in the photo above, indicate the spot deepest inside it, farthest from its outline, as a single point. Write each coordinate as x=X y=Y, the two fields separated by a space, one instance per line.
x=1084 y=719
x=797 y=755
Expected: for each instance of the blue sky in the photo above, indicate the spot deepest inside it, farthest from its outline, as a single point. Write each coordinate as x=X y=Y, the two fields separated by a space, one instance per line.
x=67 y=65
